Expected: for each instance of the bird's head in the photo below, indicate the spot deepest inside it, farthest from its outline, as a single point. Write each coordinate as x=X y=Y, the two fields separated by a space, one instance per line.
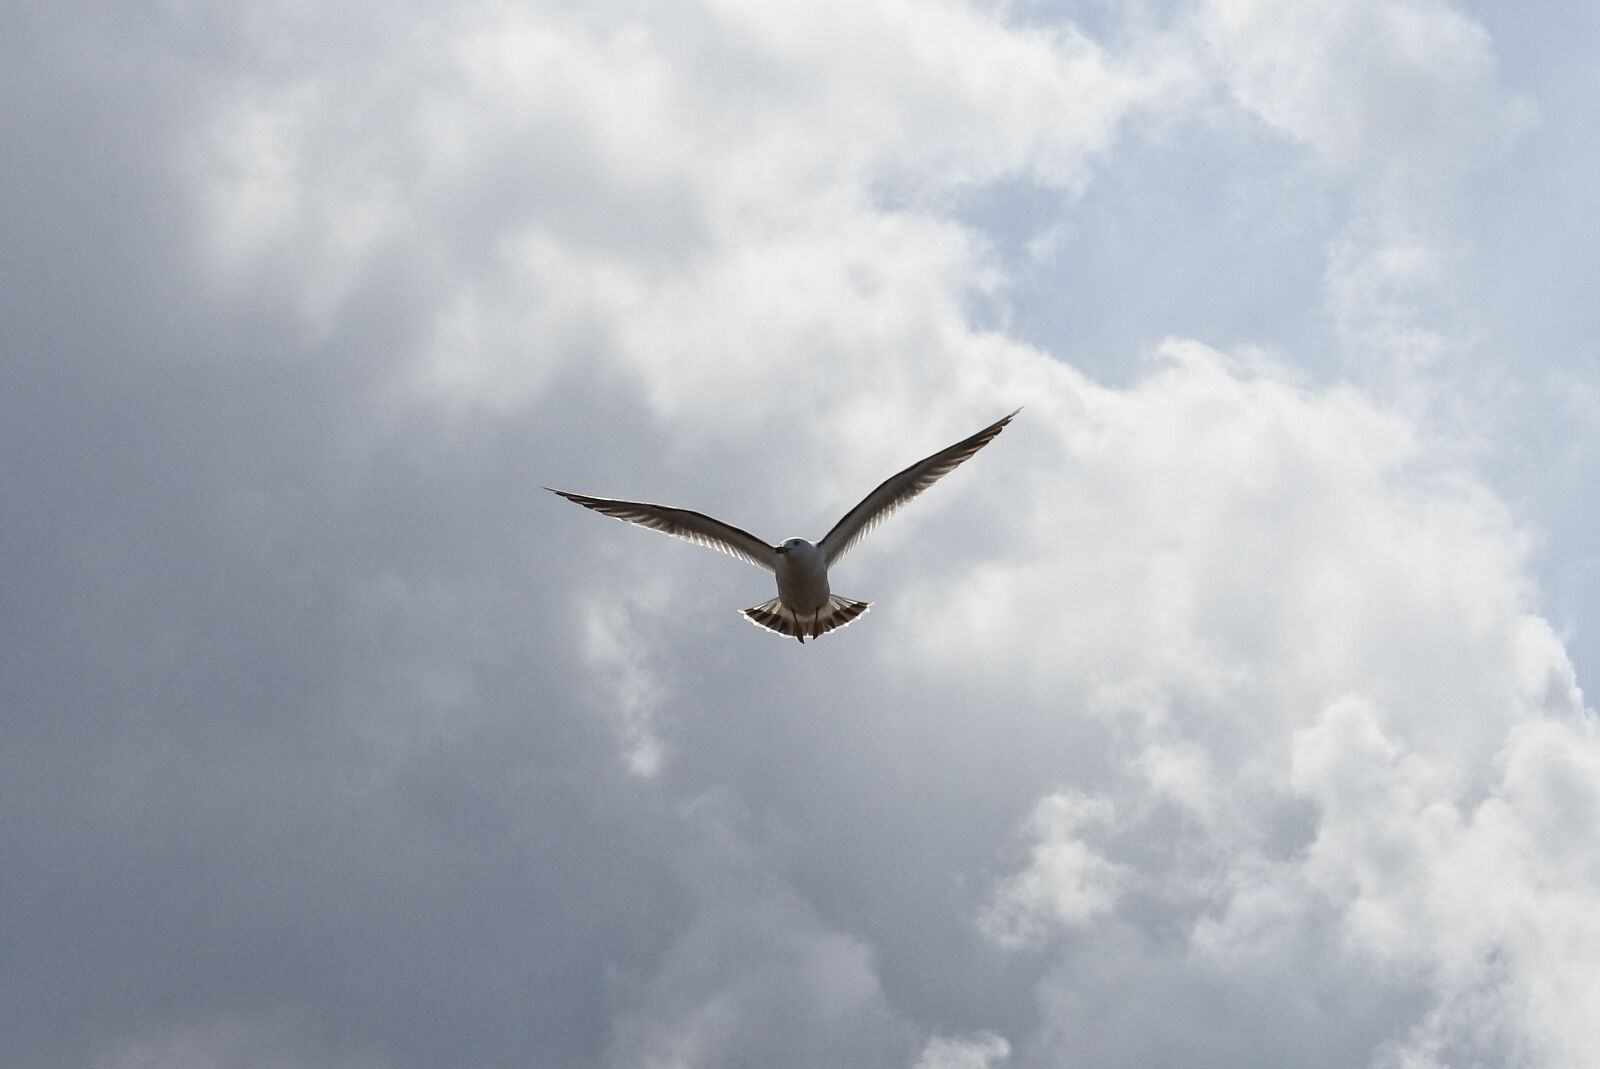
x=792 y=544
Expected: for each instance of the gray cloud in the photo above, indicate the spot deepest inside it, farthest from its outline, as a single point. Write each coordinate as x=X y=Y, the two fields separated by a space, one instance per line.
x=1206 y=717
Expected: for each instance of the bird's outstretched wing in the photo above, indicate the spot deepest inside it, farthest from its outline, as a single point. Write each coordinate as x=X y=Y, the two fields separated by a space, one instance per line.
x=690 y=526
x=897 y=489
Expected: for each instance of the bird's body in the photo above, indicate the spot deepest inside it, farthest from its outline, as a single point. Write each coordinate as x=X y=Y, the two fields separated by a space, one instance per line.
x=805 y=606
x=802 y=576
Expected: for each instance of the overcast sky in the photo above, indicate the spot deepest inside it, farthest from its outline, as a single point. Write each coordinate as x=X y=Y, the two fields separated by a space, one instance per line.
x=1225 y=711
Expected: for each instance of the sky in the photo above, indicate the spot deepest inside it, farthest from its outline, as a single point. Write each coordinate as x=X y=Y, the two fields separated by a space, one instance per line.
x=1227 y=710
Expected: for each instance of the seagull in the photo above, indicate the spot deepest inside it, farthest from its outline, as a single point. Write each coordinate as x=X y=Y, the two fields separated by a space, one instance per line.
x=804 y=605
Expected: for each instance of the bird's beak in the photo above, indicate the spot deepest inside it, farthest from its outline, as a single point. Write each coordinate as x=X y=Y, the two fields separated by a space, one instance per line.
x=780 y=549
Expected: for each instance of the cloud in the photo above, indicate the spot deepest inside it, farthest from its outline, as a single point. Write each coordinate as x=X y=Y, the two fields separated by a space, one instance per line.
x=1384 y=89
x=984 y=1050
x=1207 y=717
x=1310 y=792
x=1067 y=882
x=572 y=187
x=256 y=1045
x=1401 y=102
x=756 y=974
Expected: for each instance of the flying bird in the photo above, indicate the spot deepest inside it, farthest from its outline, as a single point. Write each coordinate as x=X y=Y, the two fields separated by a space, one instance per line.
x=804 y=605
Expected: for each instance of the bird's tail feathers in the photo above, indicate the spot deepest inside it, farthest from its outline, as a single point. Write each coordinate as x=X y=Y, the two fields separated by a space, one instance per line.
x=774 y=615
